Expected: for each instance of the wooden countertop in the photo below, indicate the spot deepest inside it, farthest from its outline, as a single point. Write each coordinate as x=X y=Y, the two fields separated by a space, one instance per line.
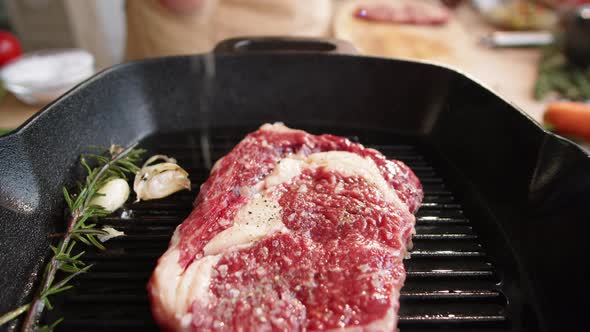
x=509 y=72
x=13 y=112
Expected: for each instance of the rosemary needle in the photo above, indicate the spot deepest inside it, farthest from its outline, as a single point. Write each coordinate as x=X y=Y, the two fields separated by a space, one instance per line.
x=118 y=163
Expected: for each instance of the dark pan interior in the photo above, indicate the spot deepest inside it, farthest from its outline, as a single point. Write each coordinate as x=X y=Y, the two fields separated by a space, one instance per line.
x=452 y=283
x=521 y=192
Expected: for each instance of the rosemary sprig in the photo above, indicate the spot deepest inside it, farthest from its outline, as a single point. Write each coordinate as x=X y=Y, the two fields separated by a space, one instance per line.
x=118 y=163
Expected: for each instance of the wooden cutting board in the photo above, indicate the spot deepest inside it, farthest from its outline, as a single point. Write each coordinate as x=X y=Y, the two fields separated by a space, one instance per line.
x=509 y=72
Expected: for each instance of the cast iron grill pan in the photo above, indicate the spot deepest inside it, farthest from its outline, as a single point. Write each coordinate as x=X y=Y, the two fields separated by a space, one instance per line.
x=451 y=283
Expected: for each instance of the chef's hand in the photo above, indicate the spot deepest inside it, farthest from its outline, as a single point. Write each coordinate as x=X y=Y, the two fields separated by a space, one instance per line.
x=182 y=6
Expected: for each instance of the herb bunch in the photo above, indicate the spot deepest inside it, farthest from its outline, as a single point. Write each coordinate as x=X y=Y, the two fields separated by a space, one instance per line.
x=116 y=163
x=557 y=74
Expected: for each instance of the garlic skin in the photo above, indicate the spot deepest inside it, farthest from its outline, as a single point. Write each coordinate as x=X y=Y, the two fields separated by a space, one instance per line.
x=160 y=180
x=110 y=233
x=115 y=193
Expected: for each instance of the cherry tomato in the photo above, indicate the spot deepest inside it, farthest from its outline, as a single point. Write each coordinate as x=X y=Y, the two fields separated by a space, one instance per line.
x=9 y=47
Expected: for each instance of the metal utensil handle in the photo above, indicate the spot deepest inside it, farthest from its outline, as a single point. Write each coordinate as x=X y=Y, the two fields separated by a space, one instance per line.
x=242 y=45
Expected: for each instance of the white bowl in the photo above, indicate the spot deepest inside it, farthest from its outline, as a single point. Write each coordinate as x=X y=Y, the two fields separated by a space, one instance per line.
x=42 y=76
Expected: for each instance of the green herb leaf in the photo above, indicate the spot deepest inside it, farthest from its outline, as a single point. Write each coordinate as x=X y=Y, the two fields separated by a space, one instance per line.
x=99 y=168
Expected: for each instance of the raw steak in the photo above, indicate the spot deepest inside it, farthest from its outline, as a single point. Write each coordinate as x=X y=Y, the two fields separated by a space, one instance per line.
x=291 y=232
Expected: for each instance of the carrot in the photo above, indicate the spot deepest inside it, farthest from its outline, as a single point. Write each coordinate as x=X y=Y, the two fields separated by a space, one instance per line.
x=569 y=118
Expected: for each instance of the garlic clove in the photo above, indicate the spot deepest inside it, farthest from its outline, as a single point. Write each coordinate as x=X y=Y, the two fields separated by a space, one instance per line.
x=160 y=180
x=115 y=194
x=110 y=233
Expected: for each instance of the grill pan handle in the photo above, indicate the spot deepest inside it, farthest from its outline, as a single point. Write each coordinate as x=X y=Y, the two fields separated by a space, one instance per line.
x=244 y=45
